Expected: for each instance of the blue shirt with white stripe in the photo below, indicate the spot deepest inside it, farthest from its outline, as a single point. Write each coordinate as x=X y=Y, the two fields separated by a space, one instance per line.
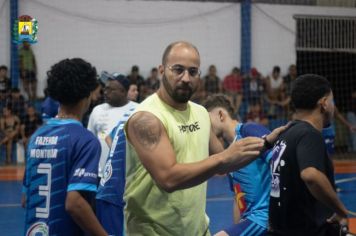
x=254 y=179
x=62 y=156
x=112 y=185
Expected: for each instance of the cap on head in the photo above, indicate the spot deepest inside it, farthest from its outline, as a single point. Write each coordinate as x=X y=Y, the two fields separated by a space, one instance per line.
x=121 y=79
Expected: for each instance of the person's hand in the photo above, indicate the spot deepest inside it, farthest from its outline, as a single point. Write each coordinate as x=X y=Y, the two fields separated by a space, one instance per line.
x=240 y=153
x=272 y=137
x=341 y=220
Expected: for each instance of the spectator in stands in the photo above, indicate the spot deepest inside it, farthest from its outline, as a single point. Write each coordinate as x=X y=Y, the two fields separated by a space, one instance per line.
x=276 y=106
x=199 y=95
x=5 y=82
x=136 y=78
x=17 y=102
x=28 y=70
x=289 y=78
x=256 y=114
x=212 y=83
x=30 y=124
x=152 y=83
x=132 y=94
x=9 y=127
x=106 y=116
x=5 y=86
x=232 y=85
x=253 y=86
x=3 y=102
x=97 y=98
x=274 y=83
x=351 y=117
x=276 y=97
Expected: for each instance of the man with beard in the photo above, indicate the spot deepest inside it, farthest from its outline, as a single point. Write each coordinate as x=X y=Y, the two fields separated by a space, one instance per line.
x=303 y=197
x=167 y=154
x=105 y=117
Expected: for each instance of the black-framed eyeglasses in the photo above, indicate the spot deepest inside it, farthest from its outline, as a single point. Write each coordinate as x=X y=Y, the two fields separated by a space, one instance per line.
x=179 y=70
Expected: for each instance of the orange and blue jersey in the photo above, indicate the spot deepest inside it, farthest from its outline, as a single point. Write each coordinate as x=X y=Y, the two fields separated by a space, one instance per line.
x=252 y=183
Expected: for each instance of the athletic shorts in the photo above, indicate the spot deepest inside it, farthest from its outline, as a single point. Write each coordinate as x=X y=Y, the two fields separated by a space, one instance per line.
x=246 y=228
x=111 y=217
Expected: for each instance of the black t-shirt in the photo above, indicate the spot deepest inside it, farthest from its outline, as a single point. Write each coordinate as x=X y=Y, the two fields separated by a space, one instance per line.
x=293 y=209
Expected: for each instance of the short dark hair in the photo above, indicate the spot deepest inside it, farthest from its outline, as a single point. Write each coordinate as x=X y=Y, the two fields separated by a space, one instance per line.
x=134 y=68
x=307 y=90
x=219 y=100
x=3 y=67
x=235 y=70
x=276 y=69
x=71 y=80
x=171 y=46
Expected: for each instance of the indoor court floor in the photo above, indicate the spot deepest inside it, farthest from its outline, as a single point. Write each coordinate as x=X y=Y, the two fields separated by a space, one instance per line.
x=219 y=200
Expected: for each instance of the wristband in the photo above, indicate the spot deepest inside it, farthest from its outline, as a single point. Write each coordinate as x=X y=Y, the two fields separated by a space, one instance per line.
x=267 y=145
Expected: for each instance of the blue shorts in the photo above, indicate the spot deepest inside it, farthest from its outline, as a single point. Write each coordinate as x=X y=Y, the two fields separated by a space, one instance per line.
x=246 y=228
x=111 y=217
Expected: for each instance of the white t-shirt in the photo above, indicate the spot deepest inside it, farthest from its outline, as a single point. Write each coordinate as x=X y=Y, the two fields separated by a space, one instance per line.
x=276 y=83
x=101 y=121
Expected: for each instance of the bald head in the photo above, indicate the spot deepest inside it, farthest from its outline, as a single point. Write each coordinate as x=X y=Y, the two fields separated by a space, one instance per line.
x=171 y=46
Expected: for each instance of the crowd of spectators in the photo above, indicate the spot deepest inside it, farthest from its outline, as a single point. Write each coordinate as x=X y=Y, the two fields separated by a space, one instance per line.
x=18 y=118
x=256 y=97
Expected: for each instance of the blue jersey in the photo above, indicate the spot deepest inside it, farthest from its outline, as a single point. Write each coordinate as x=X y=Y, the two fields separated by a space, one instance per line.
x=329 y=138
x=252 y=183
x=62 y=156
x=112 y=185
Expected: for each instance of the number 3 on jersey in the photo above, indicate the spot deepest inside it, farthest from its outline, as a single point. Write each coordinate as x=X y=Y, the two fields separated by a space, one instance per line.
x=44 y=190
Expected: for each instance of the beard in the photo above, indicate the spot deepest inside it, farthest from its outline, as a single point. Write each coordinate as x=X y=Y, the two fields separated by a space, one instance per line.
x=180 y=94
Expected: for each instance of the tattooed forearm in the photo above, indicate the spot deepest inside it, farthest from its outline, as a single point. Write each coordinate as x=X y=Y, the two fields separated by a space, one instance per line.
x=147 y=130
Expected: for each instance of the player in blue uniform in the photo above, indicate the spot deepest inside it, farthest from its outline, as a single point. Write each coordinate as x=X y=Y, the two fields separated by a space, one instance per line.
x=62 y=159
x=109 y=199
x=329 y=132
x=251 y=183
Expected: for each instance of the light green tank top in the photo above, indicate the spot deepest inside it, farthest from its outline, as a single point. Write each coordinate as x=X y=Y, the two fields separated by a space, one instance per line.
x=150 y=210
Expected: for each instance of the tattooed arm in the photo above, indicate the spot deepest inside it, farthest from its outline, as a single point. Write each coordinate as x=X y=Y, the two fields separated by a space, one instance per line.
x=150 y=140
